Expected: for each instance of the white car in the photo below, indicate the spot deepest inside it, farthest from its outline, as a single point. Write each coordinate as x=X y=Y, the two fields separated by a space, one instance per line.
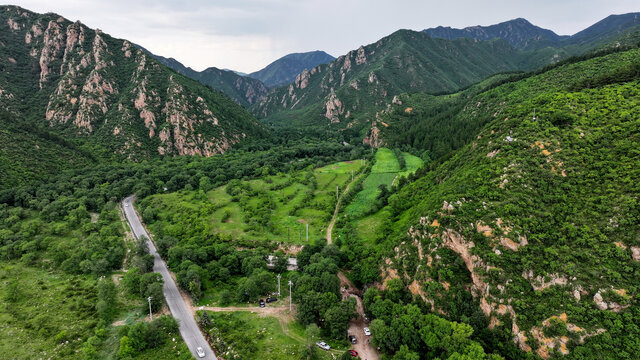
x=200 y=352
x=323 y=345
x=126 y=205
x=367 y=331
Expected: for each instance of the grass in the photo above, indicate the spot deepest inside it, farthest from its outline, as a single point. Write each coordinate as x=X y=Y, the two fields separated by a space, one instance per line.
x=383 y=172
x=273 y=208
x=252 y=336
x=46 y=305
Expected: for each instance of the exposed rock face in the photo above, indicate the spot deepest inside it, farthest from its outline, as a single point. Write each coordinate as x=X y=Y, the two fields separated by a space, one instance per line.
x=361 y=58
x=53 y=39
x=373 y=137
x=100 y=87
x=333 y=108
x=302 y=80
x=488 y=283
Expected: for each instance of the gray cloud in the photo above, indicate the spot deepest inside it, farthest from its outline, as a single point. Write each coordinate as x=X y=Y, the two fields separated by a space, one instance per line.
x=246 y=35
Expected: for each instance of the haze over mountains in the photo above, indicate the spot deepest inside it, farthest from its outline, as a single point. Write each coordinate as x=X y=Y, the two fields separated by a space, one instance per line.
x=284 y=70
x=521 y=34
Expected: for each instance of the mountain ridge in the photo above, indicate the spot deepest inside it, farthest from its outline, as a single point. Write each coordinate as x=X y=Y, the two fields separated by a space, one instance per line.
x=284 y=70
x=242 y=89
x=104 y=96
x=522 y=34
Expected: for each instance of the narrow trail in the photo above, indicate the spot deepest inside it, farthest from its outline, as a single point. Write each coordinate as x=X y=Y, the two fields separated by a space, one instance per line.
x=356 y=326
x=335 y=212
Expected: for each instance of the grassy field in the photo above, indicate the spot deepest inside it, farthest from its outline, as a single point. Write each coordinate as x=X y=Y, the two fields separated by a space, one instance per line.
x=41 y=310
x=275 y=208
x=383 y=172
x=252 y=336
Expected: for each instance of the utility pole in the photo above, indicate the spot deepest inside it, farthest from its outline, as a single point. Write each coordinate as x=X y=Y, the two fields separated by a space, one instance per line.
x=352 y=175
x=337 y=191
x=288 y=232
x=307 y=232
x=150 y=313
x=279 y=276
x=290 y=283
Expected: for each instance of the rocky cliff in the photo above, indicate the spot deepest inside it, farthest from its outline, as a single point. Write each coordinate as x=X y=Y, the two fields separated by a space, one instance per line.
x=284 y=70
x=105 y=94
x=242 y=89
x=350 y=90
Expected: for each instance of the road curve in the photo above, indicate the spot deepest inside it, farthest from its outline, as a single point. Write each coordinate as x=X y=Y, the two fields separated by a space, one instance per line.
x=179 y=309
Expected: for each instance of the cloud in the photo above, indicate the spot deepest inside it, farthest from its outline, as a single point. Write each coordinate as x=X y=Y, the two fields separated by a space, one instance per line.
x=246 y=35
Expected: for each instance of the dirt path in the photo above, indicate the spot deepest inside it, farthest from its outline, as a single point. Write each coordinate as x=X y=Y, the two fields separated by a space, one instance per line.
x=335 y=212
x=265 y=311
x=356 y=327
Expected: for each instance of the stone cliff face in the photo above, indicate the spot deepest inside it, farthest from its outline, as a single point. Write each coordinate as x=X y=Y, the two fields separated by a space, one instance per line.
x=351 y=89
x=101 y=89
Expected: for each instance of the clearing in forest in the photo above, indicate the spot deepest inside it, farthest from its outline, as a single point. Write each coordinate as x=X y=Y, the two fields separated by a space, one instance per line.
x=275 y=207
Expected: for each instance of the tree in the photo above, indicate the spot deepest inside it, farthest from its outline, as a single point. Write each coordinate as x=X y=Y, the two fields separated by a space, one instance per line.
x=126 y=350
x=157 y=296
x=205 y=320
x=405 y=354
x=310 y=352
x=131 y=280
x=336 y=319
x=138 y=336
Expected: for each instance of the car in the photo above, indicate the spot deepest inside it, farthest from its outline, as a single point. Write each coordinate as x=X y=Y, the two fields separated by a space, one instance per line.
x=200 y=352
x=271 y=299
x=323 y=345
x=352 y=339
x=353 y=353
x=261 y=302
x=126 y=205
x=367 y=331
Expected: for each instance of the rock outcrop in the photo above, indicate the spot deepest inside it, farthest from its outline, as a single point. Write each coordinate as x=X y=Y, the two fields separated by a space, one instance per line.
x=105 y=90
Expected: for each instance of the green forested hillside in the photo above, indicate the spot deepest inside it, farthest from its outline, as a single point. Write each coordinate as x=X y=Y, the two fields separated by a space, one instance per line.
x=350 y=90
x=103 y=96
x=284 y=70
x=242 y=89
x=535 y=219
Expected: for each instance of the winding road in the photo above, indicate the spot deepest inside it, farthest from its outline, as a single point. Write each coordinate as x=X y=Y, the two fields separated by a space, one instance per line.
x=179 y=309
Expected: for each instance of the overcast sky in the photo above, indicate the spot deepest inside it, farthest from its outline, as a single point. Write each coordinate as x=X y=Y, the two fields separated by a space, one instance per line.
x=246 y=35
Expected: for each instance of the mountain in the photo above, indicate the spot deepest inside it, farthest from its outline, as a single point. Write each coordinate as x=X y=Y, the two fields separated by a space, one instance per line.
x=69 y=86
x=349 y=90
x=520 y=33
x=284 y=70
x=534 y=220
x=523 y=35
x=242 y=89
x=609 y=27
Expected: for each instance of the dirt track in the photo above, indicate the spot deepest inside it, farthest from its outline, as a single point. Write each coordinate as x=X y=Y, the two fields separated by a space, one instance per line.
x=365 y=350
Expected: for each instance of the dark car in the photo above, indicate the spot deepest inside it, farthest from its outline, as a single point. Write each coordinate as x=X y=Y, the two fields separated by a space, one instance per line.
x=353 y=353
x=261 y=302
x=272 y=299
x=352 y=339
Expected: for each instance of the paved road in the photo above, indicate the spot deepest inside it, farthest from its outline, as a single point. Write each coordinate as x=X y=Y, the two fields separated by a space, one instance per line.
x=179 y=309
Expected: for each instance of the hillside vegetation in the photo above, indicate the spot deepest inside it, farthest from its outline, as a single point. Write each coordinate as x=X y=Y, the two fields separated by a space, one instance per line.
x=535 y=218
x=352 y=88
x=103 y=96
x=285 y=70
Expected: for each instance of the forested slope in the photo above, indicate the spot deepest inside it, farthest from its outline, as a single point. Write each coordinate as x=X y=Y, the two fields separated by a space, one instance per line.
x=104 y=96
x=536 y=218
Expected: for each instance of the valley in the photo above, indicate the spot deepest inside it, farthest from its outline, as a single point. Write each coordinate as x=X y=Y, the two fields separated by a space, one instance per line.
x=463 y=194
